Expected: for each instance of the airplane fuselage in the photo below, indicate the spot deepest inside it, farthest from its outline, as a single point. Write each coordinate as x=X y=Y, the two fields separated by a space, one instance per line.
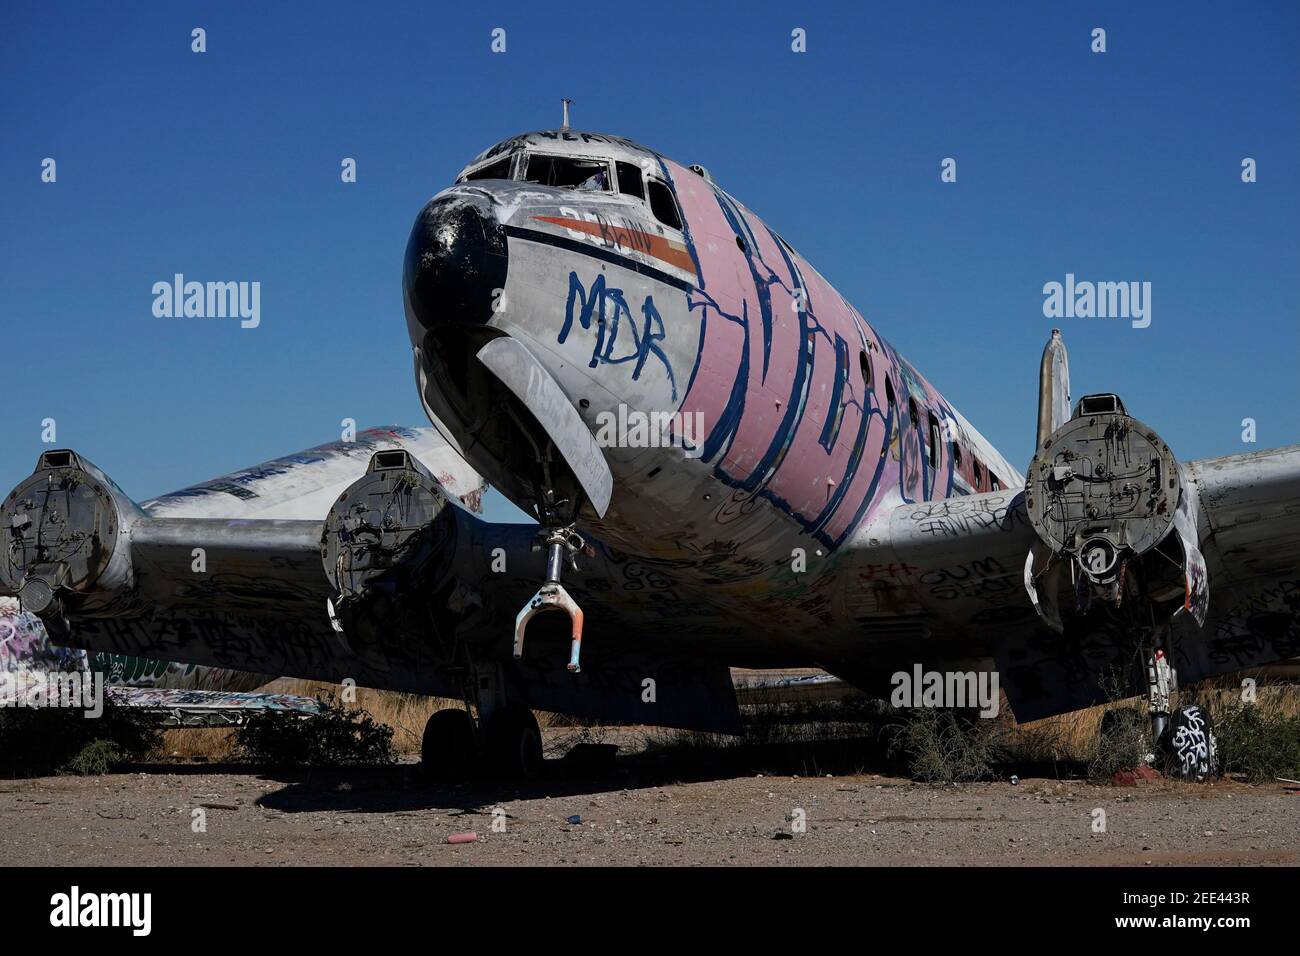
x=651 y=295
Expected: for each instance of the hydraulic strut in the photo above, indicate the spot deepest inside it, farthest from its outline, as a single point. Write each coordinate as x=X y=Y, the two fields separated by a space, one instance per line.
x=562 y=544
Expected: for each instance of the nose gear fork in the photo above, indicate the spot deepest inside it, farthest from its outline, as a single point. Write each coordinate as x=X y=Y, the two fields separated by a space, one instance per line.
x=562 y=543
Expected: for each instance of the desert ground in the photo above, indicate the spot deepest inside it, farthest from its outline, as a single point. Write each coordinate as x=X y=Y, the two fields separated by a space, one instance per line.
x=812 y=789
x=773 y=805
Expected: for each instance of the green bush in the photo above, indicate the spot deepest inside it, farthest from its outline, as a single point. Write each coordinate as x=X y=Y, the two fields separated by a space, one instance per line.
x=938 y=746
x=1258 y=741
x=96 y=758
x=44 y=740
x=337 y=737
x=1122 y=742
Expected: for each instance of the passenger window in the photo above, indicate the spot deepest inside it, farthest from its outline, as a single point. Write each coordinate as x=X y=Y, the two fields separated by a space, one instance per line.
x=662 y=203
x=629 y=179
x=567 y=173
x=498 y=170
x=979 y=475
x=934 y=440
x=994 y=483
x=831 y=429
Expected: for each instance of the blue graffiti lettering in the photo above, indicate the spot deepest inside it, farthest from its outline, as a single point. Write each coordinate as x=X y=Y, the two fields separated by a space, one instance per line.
x=607 y=309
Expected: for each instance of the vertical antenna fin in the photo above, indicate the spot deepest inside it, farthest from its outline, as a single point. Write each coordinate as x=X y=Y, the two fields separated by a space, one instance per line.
x=1053 y=388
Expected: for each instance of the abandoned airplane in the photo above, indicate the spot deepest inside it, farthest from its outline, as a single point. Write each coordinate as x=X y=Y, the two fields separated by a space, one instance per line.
x=826 y=507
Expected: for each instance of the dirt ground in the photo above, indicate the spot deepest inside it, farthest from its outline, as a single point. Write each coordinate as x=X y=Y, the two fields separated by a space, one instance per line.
x=704 y=808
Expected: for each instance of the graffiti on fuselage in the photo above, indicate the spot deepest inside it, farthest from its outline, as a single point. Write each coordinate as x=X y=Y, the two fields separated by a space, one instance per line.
x=805 y=406
x=809 y=408
x=133 y=671
x=607 y=310
x=25 y=646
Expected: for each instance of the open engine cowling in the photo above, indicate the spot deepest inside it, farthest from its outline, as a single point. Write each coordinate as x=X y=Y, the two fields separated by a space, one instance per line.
x=1107 y=497
x=385 y=546
x=67 y=538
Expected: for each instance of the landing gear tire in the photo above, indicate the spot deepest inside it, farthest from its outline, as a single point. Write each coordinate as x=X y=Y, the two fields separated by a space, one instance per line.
x=1188 y=744
x=448 y=750
x=514 y=744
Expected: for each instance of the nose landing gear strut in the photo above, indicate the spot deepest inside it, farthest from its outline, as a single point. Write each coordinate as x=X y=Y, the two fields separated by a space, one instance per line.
x=1183 y=736
x=562 y=545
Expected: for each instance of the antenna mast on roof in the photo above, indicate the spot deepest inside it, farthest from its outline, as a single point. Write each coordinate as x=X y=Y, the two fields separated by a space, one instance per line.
x=566 y=103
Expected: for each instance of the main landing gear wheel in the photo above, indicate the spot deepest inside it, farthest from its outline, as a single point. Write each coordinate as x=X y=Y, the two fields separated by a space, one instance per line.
x=514 y=743
x=448 y=750
x=1189 y=746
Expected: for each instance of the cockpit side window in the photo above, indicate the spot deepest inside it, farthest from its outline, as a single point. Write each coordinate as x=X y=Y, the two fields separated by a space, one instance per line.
x=498 y=170
x=568 y=173
x=629 y=180
x=662 y=203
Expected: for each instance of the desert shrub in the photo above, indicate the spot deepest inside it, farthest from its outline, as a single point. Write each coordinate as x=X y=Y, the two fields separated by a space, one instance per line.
x=338 y=736
x=1121 y=742
x=940 y=746
x=96 y=758
x=1259 y=741
x=43 y=740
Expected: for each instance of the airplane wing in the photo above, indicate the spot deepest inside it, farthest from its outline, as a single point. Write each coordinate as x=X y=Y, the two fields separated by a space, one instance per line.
x=173 y=707
x=390 y=586
x=224 y=574
x=801 y=686
x=28 y=658
x=970 y=581
x=1252 y=504
x=1112 y=550
x=397 y=584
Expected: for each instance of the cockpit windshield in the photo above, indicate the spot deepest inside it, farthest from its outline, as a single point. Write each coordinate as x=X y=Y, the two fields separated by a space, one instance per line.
x=495 y=170
x=567 y=173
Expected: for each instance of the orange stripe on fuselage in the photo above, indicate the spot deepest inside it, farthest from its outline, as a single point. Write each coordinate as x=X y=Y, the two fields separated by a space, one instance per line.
x=629 y=240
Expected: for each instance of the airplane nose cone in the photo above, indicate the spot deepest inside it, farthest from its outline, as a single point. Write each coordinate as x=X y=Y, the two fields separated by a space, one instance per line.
x=455 y=267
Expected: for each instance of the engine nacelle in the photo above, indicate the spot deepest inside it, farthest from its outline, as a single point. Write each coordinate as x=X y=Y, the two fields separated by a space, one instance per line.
x=1104 y=493
x=1103 y=487
x=385 y=546
x=67 y=546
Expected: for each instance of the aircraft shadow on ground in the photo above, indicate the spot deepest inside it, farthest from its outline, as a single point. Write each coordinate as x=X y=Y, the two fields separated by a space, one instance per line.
x=394 y=789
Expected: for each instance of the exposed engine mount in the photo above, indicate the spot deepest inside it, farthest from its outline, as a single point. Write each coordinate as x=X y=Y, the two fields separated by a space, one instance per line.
x=67 y=546
x=386 y=546
x=1102 y=488
x=1104 y=493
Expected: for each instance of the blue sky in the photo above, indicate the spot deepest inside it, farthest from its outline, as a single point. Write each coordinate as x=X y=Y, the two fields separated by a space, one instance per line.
x=225 y=165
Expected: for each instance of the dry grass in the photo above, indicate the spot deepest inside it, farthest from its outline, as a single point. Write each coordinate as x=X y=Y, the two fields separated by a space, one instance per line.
x=213 y=744
x=1065 y=739
x=1073 y=737
x=405 y=713
x=1281 y=698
